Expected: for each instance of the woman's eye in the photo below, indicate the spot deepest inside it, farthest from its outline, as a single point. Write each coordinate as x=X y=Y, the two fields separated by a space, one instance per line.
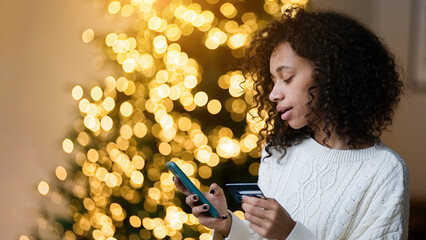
x=287 y=80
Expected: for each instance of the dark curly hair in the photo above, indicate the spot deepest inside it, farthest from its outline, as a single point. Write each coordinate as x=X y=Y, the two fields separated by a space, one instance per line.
x=356 y=81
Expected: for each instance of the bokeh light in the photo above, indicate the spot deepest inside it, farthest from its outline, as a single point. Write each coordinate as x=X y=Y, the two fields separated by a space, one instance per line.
x=161 y=102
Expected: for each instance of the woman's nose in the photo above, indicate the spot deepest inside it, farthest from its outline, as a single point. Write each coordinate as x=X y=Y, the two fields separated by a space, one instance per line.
x=277 y=93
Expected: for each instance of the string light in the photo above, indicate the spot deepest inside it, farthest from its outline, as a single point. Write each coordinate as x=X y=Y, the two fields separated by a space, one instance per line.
x=134 y=122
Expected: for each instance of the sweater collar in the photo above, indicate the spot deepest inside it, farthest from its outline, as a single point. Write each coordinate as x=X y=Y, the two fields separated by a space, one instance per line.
x=324 y=153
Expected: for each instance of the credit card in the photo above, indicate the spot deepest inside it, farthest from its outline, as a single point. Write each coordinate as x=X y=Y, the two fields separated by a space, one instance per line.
x=238 y=190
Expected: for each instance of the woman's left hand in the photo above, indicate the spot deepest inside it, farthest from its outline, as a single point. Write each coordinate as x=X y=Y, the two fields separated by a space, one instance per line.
x=267 y=217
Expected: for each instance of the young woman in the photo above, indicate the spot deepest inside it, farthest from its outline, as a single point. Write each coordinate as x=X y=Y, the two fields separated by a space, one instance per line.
x=329 y=88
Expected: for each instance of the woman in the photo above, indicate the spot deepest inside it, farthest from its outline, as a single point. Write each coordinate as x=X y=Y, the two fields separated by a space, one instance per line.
x=329 y=88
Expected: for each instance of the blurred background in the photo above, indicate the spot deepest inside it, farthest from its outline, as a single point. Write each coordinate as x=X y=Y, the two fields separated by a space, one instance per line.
x=44 y=56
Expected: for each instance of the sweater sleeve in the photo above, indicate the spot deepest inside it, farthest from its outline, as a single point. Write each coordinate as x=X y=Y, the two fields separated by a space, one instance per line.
x=387 y=214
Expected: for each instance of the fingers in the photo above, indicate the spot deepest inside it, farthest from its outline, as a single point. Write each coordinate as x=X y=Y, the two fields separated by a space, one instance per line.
x=192 y=200
x=179 y=186
x=260 y=202
x=199 y=210
x=215 y=190
x=257 y=209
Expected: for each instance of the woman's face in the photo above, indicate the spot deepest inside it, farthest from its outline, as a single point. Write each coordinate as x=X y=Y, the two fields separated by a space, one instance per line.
x=292 y=76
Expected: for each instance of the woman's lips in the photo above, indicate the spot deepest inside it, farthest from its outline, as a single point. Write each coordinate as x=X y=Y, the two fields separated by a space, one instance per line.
x=286 y=114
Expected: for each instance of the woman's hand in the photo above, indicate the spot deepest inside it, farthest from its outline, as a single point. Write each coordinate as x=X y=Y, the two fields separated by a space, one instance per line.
x=217 y=198
x=267 y=217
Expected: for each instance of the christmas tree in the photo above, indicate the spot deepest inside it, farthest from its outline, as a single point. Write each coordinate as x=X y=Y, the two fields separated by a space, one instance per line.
x=176 y=95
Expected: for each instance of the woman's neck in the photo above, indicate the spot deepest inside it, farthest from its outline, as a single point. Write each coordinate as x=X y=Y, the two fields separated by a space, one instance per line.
x=337 y=142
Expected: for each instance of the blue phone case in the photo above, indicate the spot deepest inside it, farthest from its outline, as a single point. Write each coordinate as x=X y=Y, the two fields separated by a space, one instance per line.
x=191 y=187
x=238 y=190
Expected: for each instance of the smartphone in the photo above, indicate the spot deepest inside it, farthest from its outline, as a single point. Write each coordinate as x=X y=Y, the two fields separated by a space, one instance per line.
x=191 y=187
x=238 y=190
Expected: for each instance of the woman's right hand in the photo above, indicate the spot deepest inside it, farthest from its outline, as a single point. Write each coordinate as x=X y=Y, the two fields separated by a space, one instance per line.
x=217 y=198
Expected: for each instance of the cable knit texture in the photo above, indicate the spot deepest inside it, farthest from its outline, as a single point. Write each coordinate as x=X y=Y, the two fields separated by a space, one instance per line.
x=335 y=194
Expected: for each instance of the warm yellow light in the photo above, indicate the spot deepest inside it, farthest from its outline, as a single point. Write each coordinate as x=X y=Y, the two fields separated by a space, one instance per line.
x=254 y=168
x=160 y=44
x=137 y=177
x=271 y=7
x=225 y=132
x=180 y=10
x=138 y=162
x=237 y=40
x=127 y=10
x=116 y=209
x=200 y=98
x=88 y=35
x=214 y=106
x=205 y=236
x=122 y=84
x=154 y=193
x=173 y=32
x=92 y=123
x=205 y=172
x=96 y=93
x=184 y=123
x=43 y=188
x=126 y=109
x=239 y=214
x=189 y=16
x=107 y=123
x=135 y=221
x=186 y=99
x=129 y=65
x=214 y=160
x=175 y=93
x=173 y=57
x=160 y=232
x=163 y=90
x=162 y=76
x=111 y=180
x=146 y=61
x=23 y=237
x=67 y=145
x=111 y=39
x=92 y=155
x=186 y=29
x=204 y=153
x=84 y=105
x=61 y=173
x=235 y=88
x=77 y=92
x=164 y=148
x=140 y=130
x=199 y=20
x=83 y=138
x=228 y=10
x=114 y=7
x=108 y=103
x=154 y=23
x=190 y=81
x=228 y=148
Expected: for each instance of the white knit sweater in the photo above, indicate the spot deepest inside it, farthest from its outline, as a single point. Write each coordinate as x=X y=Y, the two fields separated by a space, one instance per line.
x=335 y=194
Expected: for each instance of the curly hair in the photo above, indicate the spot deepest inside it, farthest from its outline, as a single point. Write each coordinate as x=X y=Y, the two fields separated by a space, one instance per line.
x=356 y=84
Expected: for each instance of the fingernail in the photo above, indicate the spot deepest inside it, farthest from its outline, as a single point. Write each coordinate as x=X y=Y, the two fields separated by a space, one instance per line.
x=212 y=191
x=195 y=197
x=205 y=207
x=224 y=217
